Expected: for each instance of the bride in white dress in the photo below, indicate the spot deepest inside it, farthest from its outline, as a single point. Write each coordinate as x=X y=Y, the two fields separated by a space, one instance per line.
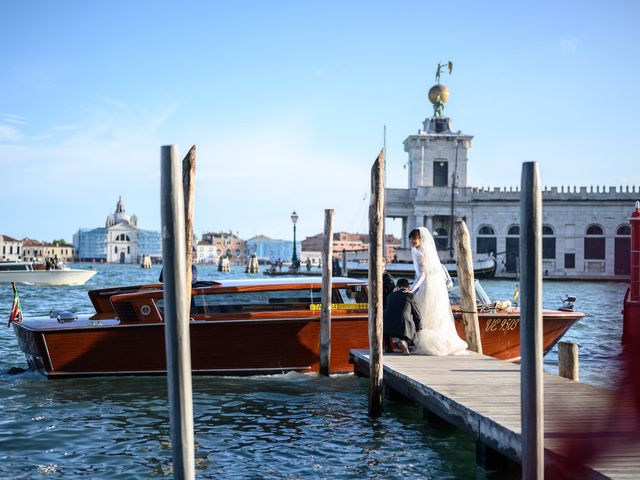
x=438 y=335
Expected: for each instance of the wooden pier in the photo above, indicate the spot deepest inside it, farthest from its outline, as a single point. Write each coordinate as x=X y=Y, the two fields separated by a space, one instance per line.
x=481 y=395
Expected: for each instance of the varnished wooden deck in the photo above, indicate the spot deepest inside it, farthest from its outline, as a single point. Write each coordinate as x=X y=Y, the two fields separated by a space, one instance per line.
x=481 y=395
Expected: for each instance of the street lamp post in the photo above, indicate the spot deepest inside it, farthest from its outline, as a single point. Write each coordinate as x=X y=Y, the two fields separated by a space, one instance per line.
x=294 y=257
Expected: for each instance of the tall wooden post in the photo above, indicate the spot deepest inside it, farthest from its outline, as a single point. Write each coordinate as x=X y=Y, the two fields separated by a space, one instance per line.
x=376 y=267
x=189 y=187
x=568 y=361
x=531 y=382
x=345 y=272
x=176 y=315
x=327 y=272
x=464 y=265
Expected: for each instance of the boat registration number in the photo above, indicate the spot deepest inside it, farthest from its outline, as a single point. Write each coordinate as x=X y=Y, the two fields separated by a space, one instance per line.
x=341 y=306
x=505 y=324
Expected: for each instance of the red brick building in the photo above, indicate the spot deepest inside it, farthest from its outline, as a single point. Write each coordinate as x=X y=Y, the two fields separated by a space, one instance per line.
x=349 y=242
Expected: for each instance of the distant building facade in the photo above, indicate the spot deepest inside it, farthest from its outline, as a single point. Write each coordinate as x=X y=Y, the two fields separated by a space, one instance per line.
x=34 y=250
x=349 y=242
x=10 y=248
x=268 y=249
x=221 y=243
x=119 y=241
x=585 y=230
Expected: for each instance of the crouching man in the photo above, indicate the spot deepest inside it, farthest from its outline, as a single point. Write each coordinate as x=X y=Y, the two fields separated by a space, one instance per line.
x=401 y=320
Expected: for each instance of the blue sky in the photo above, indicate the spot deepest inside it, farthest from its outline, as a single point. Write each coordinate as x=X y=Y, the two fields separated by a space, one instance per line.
x=286 y=103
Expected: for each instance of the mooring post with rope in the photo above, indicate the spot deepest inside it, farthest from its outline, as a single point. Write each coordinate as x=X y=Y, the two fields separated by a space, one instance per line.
x=464 y=265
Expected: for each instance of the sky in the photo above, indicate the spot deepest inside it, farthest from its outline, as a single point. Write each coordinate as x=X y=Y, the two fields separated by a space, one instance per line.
x=287 y=103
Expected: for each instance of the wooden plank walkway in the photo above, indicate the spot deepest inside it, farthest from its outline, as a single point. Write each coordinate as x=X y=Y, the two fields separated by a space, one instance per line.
x=481 y=395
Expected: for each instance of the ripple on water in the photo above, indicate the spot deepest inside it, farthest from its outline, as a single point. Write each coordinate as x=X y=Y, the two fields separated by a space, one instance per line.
x=284 y=426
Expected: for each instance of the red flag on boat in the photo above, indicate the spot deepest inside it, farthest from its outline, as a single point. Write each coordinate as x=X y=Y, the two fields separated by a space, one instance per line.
x=16 y=308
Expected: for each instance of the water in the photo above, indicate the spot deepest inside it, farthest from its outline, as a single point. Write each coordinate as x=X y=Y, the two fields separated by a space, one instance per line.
x=283 y=426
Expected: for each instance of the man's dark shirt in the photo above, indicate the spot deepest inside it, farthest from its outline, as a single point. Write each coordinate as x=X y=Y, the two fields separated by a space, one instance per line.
x=401 y=316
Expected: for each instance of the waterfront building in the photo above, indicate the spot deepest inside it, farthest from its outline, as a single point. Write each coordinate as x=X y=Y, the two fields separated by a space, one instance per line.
x=119 y=241
x=222 y=243
x=349 y=242
x=585 y=229
x=37 y=251
x=10 y=248
x=268 y=249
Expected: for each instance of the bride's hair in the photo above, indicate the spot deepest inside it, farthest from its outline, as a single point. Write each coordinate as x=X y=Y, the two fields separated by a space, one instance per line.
x=415 y=233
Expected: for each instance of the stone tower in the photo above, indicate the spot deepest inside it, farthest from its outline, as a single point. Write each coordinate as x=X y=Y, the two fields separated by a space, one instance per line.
x=437 y=156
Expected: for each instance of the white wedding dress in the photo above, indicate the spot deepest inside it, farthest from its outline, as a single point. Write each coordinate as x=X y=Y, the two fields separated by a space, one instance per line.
x=438 y=335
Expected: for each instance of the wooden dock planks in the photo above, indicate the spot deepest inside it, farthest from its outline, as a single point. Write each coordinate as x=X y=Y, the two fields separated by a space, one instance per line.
x=481 y=395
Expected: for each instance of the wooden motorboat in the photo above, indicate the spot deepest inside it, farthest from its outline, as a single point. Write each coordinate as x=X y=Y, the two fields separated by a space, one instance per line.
x=238 y=327
x=34 y=274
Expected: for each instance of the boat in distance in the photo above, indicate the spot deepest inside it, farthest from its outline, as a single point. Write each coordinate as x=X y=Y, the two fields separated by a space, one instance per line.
x=357 y=264
x=237 y=327
x=26 y=273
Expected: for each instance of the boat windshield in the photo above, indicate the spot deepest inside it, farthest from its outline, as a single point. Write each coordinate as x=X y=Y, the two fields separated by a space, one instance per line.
x=260 y=301
x=481 y=296
x=15 y=267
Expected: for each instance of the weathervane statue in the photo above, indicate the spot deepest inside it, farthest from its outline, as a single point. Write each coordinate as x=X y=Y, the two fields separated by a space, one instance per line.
x=439 y=94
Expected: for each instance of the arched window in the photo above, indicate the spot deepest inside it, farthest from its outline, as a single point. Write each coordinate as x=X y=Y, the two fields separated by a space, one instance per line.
x=512 y=250
x=486 y=240
x=594 y=243
x=218 y=251
x=115 y=249
x=623 y=230
x=594 y=230
x=548 y=243
x=441 y=238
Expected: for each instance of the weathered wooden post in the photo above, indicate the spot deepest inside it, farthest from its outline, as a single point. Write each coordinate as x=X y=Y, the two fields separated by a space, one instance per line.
x=464 y=265
x=325 y=314
x=345 y=273
x=531 y=384
x=189 y=187
x=568 y=361
x=176 y=315
x=376 y=266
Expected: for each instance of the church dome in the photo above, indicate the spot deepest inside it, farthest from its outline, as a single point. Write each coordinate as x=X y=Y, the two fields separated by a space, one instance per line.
x=120 y=216
x=439 y=91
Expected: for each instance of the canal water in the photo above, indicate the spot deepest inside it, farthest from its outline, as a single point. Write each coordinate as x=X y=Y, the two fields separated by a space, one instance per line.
x=283 y=426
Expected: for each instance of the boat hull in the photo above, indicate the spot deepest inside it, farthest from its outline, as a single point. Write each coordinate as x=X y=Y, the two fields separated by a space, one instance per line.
x=237 y=346
x=500 y=332
x=232 y=347
x=486 y=269
x=48 y=277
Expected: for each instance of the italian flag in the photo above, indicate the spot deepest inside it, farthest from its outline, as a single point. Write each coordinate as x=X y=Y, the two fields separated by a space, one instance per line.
x=16 y=309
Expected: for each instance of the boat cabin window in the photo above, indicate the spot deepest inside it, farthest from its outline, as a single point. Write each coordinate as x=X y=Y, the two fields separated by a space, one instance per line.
x=249 y=302
x=353 y=295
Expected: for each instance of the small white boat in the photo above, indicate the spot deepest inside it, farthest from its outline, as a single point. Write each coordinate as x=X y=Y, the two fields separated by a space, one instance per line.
x=24 y=272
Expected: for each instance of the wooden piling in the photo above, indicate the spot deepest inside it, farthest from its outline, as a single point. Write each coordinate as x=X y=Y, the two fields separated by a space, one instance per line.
x=531 y=386
x=568 y=361
x=176 y=315
x=464 y=265
x=345 y=272
x=327 y=272
x=376 y=266
x=189 y=188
